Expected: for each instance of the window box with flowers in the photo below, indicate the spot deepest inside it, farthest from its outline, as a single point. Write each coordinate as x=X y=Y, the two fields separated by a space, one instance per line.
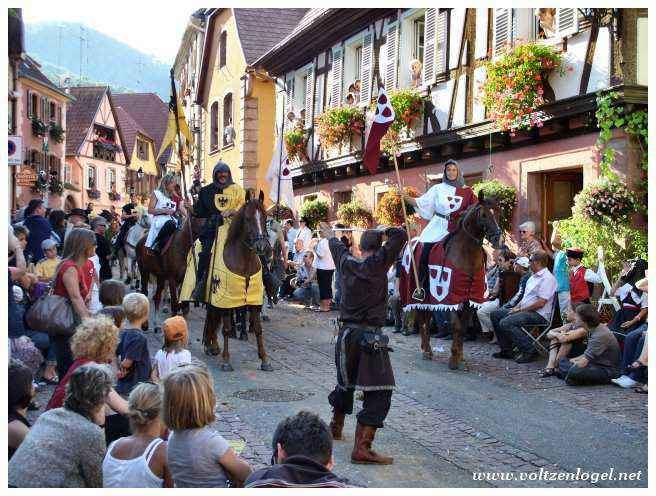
x=56 y=132
x=336 y=127
x=408 y=105
x=295 y=142
x=516 y=84
x=41 y=184
x=55 y=186
x=355 y=214
x=114 y=196
x=38 y=127
x=93 y=194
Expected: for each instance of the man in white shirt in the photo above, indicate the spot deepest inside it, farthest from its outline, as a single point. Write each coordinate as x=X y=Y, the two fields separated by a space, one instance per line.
x=304 y=234
x=535 y=307
x=290 y=233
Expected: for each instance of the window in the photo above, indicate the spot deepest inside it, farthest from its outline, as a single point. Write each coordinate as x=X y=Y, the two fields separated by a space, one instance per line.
x=11 y=116
x=228 y=130
x=111 y=180
x=42 y=109
x=67 y=173
x=358 y=63
x=52 y=111
x=91 y=177
x=341 y=197
x=214 y=123
x=418 y=40
x=222 y=49
x=142 y=149
x=33 y=105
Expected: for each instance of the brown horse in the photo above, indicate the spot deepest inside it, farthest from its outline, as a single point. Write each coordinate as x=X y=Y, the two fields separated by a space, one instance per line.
x=246 y=242
x=464 y=250
x=168 y=267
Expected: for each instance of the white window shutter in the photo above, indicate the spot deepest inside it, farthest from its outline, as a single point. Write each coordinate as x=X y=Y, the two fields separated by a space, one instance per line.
x=309 y=87
x=391 y=68
x=430 y=38
x=336 y=87
x=289 y=89
x=567 y=22
x=441 y=42
x=318 y=99
x=367 y=68
x=503 y=28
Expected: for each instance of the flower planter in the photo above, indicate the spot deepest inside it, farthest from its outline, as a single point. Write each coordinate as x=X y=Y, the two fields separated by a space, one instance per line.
x=93 y=194
x=38 y=127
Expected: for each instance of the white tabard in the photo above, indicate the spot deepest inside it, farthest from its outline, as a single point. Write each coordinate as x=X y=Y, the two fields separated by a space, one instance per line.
x=442 y=199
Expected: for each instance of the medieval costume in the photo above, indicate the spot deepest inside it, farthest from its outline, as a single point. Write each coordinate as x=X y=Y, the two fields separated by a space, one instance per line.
x=361 y=352
x=128 y=219
x=157 y=222
x=580 y=278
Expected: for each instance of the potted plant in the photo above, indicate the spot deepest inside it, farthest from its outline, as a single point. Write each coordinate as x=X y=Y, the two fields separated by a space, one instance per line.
x=314 y=211
x=389 y=210
x=506 y=196
x=355 y=214
x=516 y=84
x=38 y=127
x=41 y=184
x=295 y=145
x=55 y=186
x=56 y=132
x=336 y=127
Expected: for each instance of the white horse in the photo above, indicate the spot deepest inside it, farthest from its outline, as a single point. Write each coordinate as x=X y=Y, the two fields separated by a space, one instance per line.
x=127 y=255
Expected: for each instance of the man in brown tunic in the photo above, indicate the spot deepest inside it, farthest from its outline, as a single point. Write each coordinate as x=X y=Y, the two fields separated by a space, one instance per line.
x=361 y=351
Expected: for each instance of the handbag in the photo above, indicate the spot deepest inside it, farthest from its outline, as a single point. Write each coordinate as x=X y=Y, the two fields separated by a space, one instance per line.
x=52 y=313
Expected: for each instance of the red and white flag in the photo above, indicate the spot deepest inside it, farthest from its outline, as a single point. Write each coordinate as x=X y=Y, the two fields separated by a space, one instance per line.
x=382 y=122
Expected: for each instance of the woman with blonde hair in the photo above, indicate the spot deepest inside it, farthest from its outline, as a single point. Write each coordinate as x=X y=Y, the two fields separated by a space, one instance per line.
x=140 y=460
x=74 y=279
x=198 y=456
x=162 y=209
x=94 y=341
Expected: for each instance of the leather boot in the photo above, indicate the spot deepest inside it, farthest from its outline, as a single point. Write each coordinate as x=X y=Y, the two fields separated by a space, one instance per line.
x=362 y=452
x=337 y=425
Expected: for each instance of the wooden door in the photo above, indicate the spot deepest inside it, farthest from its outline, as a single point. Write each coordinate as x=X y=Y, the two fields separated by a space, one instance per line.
x=560 y=189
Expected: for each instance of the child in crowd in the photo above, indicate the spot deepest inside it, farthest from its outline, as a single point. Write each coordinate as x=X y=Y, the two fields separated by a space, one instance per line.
x=133 y=355
x=140 y=460
x=21 y=391
x=198 y=456
x=560 y=272
x=173 y=354
x=111 y=293
x=46 y=267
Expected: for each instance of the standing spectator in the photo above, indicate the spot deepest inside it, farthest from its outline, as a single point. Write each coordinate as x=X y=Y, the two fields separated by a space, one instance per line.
x=529 y=243
x=140 y=460
x=89 y=209
x=104 y=248
x=560 y=272
x=633 y=301
x=346 y=238
x=57 y=219
x=39 y=228
x=20 y=382
x=21 y=233
x=290 y=236
x=65 y=448
x=304 y=235
x=111 y=293
x=323 y=262
x=302 y=456
x=600 y=362
x=580 y=277
x=306 y=287
x=535 y=308
x=198 y=456
x=76 y=217
x=46 y=267
x=132 y=351
x=129 y=216
x=174 y=353
x=73 y=281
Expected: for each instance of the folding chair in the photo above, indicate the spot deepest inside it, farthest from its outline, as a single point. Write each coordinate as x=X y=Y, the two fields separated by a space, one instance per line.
x=538 y=332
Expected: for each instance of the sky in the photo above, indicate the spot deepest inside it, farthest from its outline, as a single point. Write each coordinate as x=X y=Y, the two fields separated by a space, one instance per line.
x=155 y=28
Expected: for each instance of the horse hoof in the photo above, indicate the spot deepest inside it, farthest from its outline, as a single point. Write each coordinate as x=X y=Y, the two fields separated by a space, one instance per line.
x=210 y=351
x=266 y=366
x=226 y=367
x=427 y=355
x=456 y=364
x=243 y=336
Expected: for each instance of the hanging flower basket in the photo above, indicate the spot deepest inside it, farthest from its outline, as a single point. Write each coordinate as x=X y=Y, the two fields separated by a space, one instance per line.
x=355 y=214
x=38 y=127
x=389 y=210
x=606 y=202
x=516 y=84
x=94 y=194
x=295 y=145
x=314 y=211
x=337 y=126
x=408 y=105
x=40 y=185
x=506 y=196
x=114 y=196
x=56 y=132
x=55 y=186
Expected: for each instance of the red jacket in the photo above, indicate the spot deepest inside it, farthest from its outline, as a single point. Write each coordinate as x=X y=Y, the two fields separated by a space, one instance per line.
x=578 y=286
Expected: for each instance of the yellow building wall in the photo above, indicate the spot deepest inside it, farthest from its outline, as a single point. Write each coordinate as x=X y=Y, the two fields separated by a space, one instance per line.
x=223 y=81
x=149 y=166
x=265 y=93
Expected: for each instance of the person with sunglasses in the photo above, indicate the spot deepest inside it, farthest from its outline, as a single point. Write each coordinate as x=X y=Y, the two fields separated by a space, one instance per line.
x=529 y=242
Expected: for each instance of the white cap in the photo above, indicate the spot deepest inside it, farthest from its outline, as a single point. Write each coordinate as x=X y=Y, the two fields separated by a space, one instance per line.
x=522 y=262
x=46 y=244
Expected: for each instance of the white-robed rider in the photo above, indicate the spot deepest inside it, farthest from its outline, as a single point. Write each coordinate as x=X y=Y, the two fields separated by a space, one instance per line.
x=441 y=205
x=163 y=205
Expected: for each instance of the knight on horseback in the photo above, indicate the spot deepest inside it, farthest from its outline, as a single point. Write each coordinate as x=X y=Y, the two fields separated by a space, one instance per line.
x=216 y=202
x=129 y=216
x=165 y=208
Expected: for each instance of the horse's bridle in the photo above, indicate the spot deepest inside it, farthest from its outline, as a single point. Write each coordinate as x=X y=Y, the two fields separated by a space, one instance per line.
x=495 y=235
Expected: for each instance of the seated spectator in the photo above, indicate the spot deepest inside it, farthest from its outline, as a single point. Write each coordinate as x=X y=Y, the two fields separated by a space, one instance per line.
x=634 y=303
x=529 y=243
x=305 y=284
x=580 y=277
x=140 y=460
x=521 y=267
x=600 y=362
x=560 y=272
x=174 y=353
x=198 y=456
x=302 y=456
x=20 y=233
x=503 y=261
x=21 y=391
x=46 y=267
x=634 y=363
x=415 y=73
x=111 y=293
x=564 y=341
x=535 y=307
x=66 y=446
x=132 y=352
